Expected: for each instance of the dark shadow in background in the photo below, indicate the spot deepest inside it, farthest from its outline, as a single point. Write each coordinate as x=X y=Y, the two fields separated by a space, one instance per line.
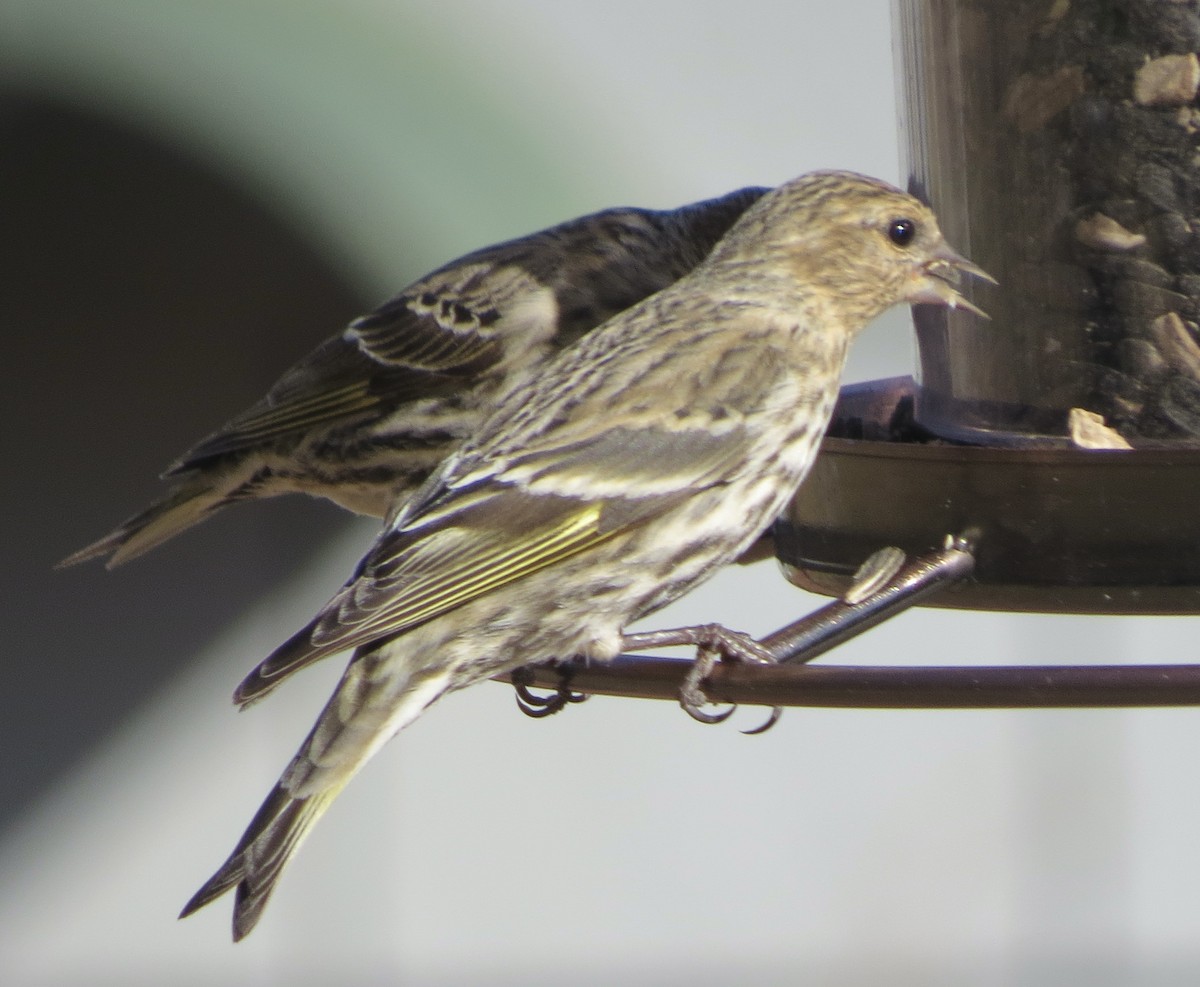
x=143 y=301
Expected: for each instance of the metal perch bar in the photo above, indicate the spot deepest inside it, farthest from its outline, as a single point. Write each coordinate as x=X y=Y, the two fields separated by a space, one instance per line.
x=795 y=683
x=875 y=687
x=836 y=622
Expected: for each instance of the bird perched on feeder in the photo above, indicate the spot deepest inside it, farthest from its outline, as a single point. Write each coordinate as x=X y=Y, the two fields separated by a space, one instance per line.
x=368 y=415
x=628 y=470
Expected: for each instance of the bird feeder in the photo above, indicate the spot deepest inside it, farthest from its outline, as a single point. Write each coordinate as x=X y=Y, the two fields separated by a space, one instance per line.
x=1059 y=144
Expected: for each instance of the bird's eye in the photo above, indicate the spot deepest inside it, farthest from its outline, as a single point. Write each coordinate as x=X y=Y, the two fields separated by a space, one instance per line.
x=902 y=231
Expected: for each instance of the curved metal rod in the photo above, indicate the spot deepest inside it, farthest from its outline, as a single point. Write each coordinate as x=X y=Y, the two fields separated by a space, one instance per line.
x=912 y=687
x=836 y=622
x=794 y=683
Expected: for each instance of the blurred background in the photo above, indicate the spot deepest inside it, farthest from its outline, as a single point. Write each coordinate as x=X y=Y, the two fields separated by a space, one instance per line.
x=192 y=196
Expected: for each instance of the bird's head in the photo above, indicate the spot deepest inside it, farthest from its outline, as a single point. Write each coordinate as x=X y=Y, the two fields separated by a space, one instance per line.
x=859 y=243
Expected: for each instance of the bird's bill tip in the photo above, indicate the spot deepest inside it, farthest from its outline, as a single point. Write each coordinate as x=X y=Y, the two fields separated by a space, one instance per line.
x=931 y=290
x=947 y=257
x=936 y=282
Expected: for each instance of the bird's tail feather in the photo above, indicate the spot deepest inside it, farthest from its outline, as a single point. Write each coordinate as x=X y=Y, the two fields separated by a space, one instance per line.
x=254 y=867
x=339 y=744
x=184 y=506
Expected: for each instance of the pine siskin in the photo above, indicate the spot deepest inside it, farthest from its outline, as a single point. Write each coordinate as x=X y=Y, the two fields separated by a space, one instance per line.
x=369 y=414
x=634 y=464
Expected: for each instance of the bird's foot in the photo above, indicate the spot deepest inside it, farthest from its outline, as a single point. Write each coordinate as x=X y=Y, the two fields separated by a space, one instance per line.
x=537 y=706
x=713 y=643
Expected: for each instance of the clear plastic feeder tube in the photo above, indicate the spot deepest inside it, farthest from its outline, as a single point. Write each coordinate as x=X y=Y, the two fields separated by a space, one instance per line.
x=1059 y=143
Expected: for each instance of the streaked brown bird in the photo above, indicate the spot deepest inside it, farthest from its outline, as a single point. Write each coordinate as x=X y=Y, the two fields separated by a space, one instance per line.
x=368 y=415
x=627 y=471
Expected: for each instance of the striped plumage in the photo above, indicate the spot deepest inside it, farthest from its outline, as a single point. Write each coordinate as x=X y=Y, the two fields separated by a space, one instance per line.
x=631 y=467
x=366 y=417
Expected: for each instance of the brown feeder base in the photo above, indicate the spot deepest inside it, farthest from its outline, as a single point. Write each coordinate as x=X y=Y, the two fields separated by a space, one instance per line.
x=1054 y=530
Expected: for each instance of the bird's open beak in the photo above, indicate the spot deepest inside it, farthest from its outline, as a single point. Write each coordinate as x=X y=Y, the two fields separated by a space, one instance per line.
x=936 y=281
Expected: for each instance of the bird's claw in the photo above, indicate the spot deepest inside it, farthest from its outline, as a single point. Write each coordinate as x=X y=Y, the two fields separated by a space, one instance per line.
x=692 y=708
x=713 y=642
x=776 y=713
x=538 y=706
x=691 y=695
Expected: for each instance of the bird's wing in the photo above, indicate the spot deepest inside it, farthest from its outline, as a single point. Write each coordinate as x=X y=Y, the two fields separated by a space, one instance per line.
x=421 y=344
x=540 y=510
